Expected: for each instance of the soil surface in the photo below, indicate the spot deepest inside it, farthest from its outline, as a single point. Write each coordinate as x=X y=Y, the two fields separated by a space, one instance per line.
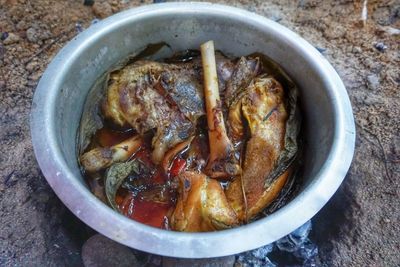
x=360 y=226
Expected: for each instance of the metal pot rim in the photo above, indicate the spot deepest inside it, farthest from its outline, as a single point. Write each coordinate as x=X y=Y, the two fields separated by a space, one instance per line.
x=176 y=244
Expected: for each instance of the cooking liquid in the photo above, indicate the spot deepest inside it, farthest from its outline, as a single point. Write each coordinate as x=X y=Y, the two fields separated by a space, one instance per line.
x=136 y=202
x=151 y=198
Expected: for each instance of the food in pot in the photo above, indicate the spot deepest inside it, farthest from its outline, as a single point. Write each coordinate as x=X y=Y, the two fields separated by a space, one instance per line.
x=197 y=142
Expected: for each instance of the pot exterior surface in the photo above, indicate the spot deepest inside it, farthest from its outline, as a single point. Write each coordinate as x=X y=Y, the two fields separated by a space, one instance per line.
x=60 y=96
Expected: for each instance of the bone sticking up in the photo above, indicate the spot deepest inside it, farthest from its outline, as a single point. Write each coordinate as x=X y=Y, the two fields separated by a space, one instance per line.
x=221 y=163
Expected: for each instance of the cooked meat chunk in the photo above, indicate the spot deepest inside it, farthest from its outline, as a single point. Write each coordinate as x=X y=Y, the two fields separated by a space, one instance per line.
x=201 y=205
x=166 y=97
x=262 y=106
x=150 y=95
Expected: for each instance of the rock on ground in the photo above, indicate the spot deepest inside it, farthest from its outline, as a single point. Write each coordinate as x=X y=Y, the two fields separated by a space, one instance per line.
x=11 y=39
x=102 y=9
x=358 y=227
x=99 y=251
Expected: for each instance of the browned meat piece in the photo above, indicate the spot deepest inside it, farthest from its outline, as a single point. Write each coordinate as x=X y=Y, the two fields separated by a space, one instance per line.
x=167 y=97
x=201 y=205
x=151 y=95
x=262 y=105
x=179 y=84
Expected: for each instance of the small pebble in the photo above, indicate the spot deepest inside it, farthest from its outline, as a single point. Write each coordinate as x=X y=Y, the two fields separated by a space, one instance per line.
x=94 y=21
x=381 y=47
x=357 y=50
x=300 y=235
x=102 y=9
x=256 y=257
x=310 y=263
x=320 y=49
x=373 y=65
x=22 y=25
x=3 y=36
x=391 y=30
x=31 y=66
x=11 y=179
x=286 y=244
x=306 y=251
x=373 y=81
x=247 y=259
x=78 y=27
x=373 y=99
x=262 y=252
x=274 y=14
x=31 y=35
x=309 y=3
x=11 y=39
x=334 y=31
x=88 y=2
x=35 y=76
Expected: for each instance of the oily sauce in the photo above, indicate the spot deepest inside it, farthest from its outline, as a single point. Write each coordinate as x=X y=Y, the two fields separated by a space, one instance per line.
x=149 y=199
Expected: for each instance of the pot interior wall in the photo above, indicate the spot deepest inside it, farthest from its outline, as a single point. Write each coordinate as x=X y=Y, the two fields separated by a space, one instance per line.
x=182 y=33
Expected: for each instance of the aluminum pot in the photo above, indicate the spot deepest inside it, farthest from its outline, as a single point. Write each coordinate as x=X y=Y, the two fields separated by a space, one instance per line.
x=60 y=96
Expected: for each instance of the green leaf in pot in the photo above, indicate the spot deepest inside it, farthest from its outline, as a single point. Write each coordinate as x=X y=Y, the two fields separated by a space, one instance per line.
x=115 y=176
x=91 y=120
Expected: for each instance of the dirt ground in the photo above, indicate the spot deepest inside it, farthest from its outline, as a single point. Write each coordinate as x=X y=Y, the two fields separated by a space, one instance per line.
x=360 y=226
